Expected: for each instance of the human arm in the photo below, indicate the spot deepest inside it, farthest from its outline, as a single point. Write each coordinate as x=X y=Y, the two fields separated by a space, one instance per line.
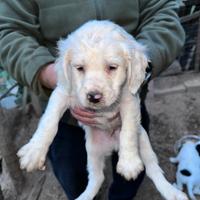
x=47 y=76
x=160 y=31
x=22 y=52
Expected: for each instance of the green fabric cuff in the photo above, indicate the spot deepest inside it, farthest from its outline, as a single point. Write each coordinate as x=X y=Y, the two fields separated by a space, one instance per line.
x=35 y=65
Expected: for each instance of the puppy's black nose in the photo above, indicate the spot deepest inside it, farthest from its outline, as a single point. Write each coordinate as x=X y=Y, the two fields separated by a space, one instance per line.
x=94 y=97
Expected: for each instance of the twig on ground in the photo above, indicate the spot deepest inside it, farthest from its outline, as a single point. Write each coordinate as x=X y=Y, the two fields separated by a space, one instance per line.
x=8 y=91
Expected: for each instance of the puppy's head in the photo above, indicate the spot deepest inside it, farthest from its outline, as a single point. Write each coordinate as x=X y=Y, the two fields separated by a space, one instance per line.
x=187 y=139
x=98 y=60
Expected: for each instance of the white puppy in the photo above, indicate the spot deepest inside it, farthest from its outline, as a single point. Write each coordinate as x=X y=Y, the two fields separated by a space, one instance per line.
x=188 y=169
x=101 y=67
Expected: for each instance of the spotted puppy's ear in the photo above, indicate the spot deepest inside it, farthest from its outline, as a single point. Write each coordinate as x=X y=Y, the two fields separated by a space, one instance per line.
x=198 y=148
x=138 y=62
x=63 y=67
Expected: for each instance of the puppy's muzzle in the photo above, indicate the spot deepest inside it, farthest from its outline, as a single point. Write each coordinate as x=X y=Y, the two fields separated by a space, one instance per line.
x=94 y=97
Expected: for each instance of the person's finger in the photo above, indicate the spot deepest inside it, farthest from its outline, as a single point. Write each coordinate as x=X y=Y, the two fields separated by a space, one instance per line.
x=83 y=112
x=83 y=119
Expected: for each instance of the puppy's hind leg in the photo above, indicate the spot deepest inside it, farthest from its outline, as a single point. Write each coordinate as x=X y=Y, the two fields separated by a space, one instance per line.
x=95 y=164
x=190 y=191
x=178 y=183
x=154 y=172
x=196 y=190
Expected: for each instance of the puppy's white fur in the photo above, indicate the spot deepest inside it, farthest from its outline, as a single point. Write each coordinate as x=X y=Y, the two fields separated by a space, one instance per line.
x=101 y=56
x=188 y=159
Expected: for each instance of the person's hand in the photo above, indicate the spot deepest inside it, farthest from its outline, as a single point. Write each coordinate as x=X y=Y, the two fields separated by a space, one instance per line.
x=47 y=76
x=95 y=119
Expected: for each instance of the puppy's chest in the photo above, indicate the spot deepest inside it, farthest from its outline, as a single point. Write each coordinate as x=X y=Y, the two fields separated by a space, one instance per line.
x=106 y=136
x=104 y=140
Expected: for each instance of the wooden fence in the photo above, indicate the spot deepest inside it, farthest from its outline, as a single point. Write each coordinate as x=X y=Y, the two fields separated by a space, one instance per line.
x=190 y=19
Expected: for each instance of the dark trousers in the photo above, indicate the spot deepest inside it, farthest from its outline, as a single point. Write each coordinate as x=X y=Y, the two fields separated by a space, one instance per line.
x=69 y=160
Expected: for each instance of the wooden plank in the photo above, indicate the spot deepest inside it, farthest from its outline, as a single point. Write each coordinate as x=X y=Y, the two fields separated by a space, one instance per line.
x=188 y=18
x=197 y=54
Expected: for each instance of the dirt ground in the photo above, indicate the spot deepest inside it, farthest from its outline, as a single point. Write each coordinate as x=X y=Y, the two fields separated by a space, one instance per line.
x=174 y=107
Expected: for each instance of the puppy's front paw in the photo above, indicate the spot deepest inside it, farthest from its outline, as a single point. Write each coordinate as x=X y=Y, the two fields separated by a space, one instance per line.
x=180 y=196
x=177 y=195
x=172 y=193
x=32 y=156
x=130 y=168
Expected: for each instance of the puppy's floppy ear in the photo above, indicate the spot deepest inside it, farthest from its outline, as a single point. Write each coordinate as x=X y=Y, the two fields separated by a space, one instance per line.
x=137 y=64
x=198 y=148
x=63 y=67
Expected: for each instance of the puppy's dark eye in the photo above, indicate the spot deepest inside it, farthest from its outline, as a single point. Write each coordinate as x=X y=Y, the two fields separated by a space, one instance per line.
x=80 y=68
x=112 y=67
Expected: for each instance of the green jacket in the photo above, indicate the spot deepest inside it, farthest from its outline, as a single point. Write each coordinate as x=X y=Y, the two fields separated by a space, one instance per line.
x=30 y=29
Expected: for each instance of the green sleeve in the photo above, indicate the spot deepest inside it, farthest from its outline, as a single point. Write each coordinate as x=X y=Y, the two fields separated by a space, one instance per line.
x=22 y=53
x=161 y=32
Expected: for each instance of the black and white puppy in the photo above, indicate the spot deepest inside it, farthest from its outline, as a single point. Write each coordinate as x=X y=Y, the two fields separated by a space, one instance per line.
x=188 y=169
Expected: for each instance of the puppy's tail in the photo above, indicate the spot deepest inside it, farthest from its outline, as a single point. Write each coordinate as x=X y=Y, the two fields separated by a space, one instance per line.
x=173 y=160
